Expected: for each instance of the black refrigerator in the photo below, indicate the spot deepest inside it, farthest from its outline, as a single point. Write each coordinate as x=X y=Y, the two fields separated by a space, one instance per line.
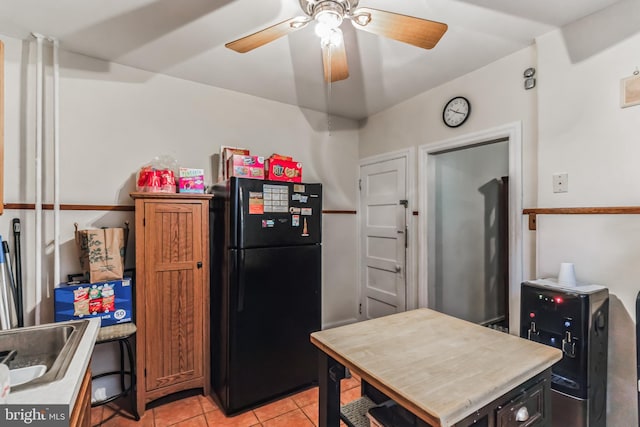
x=265 y=290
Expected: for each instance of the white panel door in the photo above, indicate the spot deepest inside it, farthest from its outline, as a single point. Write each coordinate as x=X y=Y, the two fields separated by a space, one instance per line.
x=383 y=208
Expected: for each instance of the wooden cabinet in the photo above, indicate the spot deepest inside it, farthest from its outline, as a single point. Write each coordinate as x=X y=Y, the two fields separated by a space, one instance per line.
x=81 y=412
x=172 y=294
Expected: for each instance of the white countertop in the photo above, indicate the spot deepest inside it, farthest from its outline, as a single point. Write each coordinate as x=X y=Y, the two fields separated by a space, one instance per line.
x=64 y=391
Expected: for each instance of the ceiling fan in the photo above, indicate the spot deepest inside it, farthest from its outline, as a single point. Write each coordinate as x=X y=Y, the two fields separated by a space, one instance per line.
x=329 y=15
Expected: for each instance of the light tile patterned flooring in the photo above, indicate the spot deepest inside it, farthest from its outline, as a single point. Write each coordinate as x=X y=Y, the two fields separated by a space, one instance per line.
x=298 y=410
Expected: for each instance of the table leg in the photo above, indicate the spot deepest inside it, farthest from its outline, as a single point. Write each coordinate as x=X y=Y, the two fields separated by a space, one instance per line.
x=330 y=374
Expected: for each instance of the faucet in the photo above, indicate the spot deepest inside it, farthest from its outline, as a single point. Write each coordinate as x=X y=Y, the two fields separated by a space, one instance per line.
x=7 y=356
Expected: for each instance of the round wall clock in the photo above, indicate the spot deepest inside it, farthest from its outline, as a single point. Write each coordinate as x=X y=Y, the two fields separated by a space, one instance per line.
x=456 y=111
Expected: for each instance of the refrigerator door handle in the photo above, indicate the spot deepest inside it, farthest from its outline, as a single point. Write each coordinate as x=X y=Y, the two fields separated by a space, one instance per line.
x=240 y=225
x=241 y=281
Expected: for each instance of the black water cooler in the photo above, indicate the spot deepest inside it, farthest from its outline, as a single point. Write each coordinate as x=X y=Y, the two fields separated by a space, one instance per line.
x=575 y=320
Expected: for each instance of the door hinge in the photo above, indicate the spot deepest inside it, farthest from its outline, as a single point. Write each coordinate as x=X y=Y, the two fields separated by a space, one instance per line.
x=360 y=184
x=404 y=203
x=360 y=308
x=144 y=222
x=145 y=372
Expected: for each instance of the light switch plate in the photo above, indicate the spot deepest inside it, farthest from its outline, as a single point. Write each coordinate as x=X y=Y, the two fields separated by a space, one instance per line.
x=560 y=182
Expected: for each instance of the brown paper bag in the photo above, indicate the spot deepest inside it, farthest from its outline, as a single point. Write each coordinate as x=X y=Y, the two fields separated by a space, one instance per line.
x=101 y=253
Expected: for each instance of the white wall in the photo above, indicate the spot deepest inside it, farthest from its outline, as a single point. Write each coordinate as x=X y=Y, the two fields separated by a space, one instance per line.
x=497 y=98
x=573 y=123
x=585 y=133
x=115 y=119
x=121 y=117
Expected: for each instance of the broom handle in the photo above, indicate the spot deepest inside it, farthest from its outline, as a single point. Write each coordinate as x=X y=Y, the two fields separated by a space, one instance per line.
x=18 y=270
x=5 y=320
x=12 y=282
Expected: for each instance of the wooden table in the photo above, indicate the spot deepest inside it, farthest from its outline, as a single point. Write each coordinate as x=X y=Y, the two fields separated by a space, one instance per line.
x=442 y=369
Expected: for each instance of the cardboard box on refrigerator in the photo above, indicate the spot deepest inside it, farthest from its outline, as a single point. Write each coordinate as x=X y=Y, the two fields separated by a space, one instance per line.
x=110 y=301
x=225 y=154
x=246 y=166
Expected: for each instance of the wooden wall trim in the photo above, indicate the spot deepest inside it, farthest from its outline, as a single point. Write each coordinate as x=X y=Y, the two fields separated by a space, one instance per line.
x=584 y=211
x=602 y=210
x=122 y=208
x=338 y=212
x=49 y=206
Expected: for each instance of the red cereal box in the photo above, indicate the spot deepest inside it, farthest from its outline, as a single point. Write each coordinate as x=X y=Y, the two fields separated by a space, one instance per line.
x=283 y=170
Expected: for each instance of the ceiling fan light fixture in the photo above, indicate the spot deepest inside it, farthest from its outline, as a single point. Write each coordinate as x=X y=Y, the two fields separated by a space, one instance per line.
x=329 y=18
x=323 y=30
x=332 y=38
x=329 y=13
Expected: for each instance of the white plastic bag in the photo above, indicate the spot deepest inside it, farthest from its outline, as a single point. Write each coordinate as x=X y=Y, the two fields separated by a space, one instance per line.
x=5 y=384
x=158 y=176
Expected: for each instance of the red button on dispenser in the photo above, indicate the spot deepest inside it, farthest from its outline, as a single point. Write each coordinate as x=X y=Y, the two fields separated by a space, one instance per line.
x=532 y=315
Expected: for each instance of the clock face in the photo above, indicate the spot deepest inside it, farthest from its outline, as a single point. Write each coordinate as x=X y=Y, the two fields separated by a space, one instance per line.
x=456 y=111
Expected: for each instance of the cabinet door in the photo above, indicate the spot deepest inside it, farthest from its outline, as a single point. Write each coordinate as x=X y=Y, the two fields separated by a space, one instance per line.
x=173 y=293
x=81 y=413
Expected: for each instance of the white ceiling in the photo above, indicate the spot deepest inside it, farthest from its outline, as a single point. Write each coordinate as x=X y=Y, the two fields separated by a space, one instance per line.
x=185 y=39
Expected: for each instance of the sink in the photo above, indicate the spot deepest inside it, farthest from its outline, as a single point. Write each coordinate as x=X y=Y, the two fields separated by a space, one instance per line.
x=42 y=353
x=24 y=375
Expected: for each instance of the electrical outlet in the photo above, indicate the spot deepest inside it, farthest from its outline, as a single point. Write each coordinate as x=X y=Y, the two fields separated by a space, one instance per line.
x=560 y=182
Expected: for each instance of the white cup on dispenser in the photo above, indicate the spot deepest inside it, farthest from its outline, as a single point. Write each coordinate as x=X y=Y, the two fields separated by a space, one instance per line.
x=567 y=274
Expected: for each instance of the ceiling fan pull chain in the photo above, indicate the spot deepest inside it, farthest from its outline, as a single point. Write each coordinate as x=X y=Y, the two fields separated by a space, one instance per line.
x=330 y=68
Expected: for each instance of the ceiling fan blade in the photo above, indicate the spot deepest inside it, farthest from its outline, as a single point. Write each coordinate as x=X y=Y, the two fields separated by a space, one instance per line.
x=262 y=37
x=407 y=29
x=334 y=59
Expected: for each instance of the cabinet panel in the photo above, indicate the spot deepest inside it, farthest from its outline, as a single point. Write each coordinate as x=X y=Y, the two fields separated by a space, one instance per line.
x=171 y=294
x=81 y=413
x=173 y=353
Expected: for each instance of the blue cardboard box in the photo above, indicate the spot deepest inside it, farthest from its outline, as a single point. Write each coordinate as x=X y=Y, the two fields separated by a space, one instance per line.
x=110 y=301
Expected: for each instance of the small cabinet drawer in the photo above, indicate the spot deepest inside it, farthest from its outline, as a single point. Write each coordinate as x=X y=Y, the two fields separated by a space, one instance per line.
x=526 y=410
